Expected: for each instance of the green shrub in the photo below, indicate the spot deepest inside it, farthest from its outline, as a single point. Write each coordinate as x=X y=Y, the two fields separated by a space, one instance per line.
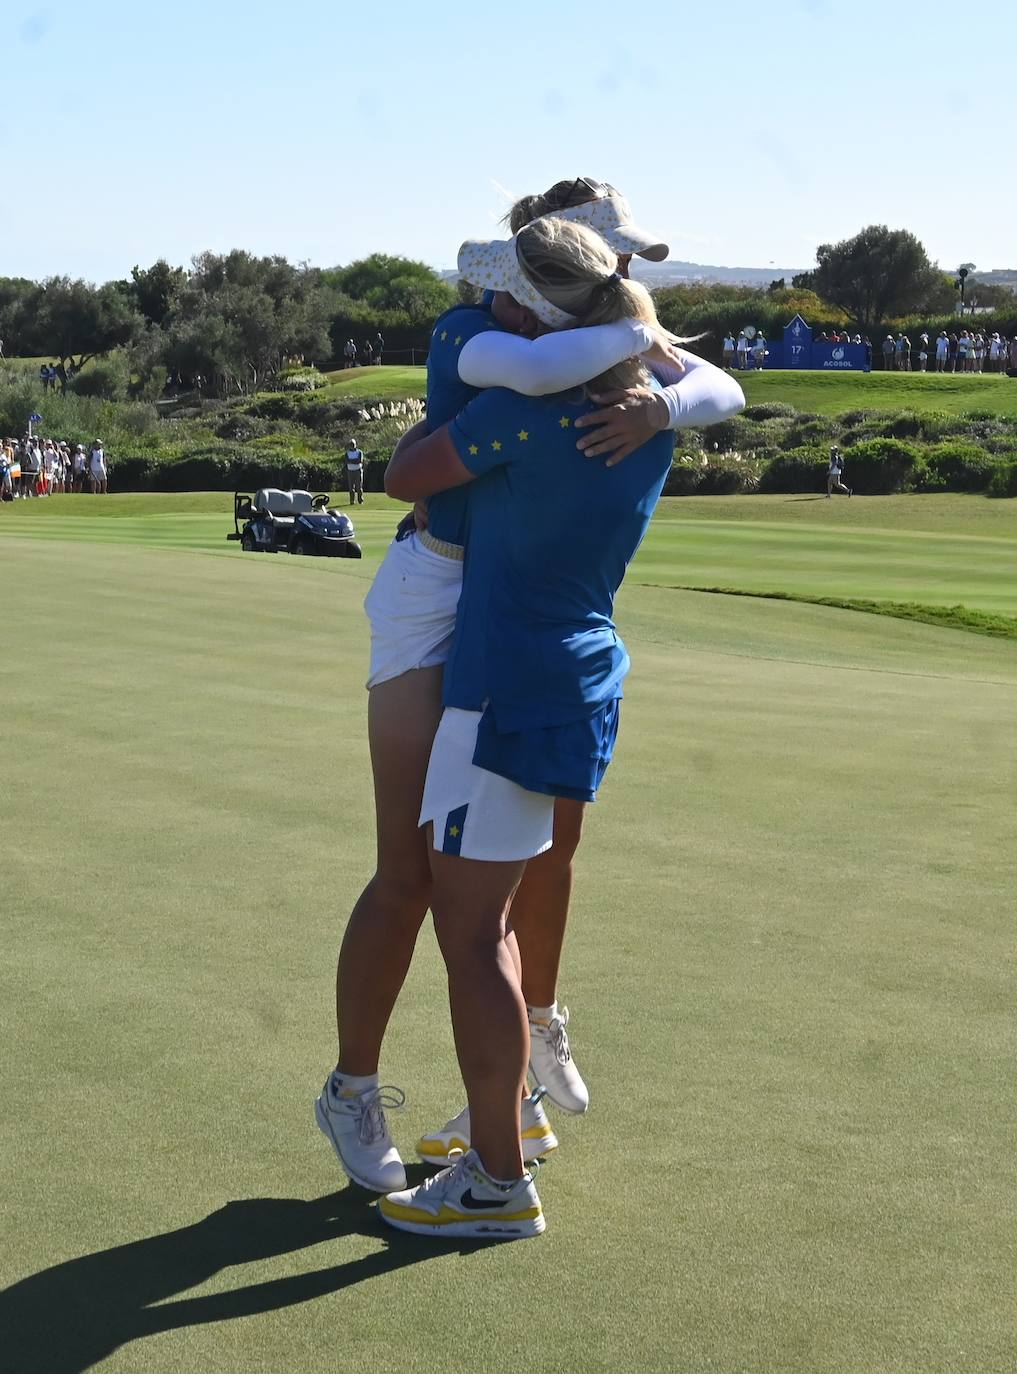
x=108 y=379
x=799 y=469
x=1004 y=480
x=137 y=417
x=150 y=386
x=770 y=410
x=300 y=379
x=244 y=426
x=728 y=436
x=808 y=430
x=880 y=466
x=705 y=476
x=959 y=466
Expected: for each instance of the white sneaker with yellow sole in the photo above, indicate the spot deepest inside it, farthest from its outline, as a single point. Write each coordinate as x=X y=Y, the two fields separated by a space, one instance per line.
x=538 y=1139
x=464 y=1201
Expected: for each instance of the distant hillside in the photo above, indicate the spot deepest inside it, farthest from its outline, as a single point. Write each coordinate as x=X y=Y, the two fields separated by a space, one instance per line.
x=674 y=271
x=999 y=276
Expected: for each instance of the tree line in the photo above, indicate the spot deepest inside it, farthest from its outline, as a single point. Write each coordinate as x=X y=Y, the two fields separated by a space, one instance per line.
x=232 y=319
x=235 y=320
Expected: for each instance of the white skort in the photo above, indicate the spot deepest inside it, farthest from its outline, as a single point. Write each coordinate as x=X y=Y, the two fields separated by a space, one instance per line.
x=412 y=609
x=477 y=814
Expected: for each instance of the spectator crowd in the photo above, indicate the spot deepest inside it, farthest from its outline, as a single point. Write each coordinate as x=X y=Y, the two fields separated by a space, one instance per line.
x=32 y=467
x=963 y=351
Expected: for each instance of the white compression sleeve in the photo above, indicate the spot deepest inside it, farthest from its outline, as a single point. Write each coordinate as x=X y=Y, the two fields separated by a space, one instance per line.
x=701 y=395
x=554 y=362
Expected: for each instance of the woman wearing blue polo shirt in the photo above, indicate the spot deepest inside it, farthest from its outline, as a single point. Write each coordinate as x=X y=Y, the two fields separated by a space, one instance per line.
x=531 y=694
x=412 y=607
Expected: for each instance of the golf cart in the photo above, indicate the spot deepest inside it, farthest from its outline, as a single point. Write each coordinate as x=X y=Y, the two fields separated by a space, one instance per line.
x=276 y=521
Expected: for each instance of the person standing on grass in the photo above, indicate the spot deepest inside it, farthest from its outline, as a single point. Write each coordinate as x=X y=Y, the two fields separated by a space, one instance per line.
x=349 y=353
x=377 y=349
x=78 y=464
x=834 y=474
x=355 y=473
x=942 y=350
x=729 y=350
x=531 y=694
x=742 y=352
x=97 y=468
x=412 y=609
x=888 y=353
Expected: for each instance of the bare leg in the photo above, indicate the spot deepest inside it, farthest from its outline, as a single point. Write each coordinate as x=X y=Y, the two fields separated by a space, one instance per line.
x=540 y=908
x=378 y=945
x=470 y=901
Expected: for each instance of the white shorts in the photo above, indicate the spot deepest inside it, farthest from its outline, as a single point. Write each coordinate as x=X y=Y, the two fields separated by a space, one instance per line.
x=98 y=474
x=412 y=609
x=477 y=814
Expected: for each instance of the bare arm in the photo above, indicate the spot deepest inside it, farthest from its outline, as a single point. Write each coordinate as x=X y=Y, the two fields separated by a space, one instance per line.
x=420 y=467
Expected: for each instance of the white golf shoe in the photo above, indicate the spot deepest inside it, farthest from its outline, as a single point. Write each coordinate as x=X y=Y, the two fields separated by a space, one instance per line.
x=355 y=1124
x=464 y=1201
x=538 y=1139
x=552 y=1066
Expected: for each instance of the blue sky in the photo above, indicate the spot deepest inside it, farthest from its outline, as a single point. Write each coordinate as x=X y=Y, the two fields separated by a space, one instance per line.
x=742 y=133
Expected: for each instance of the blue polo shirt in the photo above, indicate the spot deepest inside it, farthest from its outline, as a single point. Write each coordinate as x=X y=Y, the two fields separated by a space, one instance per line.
x=446 y=397
x=550 y=534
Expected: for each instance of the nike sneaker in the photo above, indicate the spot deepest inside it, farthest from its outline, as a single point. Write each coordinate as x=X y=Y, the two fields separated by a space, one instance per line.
x=464 y=1201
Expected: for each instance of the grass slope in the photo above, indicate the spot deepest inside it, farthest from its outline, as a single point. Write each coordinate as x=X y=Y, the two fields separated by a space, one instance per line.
x=836 y=392
x=932 y=550
x=791 y=969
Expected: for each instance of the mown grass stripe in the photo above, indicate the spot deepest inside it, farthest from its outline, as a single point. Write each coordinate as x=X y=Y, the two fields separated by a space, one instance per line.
x=950 y=617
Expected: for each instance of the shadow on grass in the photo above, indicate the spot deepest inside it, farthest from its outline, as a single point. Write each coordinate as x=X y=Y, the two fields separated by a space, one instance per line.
x=73 y=1315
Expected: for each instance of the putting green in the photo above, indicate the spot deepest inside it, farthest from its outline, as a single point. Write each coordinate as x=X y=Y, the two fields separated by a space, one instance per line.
x=791 y=973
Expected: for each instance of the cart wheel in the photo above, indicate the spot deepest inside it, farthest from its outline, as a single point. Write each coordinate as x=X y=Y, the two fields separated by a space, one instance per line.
x=303 y=546
x=355 y=551
x=247 y=542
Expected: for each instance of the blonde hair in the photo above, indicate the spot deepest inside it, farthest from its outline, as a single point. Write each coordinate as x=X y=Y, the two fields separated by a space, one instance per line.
x=576 y=270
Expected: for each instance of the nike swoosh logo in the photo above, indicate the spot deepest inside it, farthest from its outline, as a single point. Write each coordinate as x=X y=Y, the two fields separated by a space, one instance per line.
x=473 y=1204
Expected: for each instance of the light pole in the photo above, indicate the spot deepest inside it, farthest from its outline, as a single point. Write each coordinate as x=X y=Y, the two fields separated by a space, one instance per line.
x=963 y=272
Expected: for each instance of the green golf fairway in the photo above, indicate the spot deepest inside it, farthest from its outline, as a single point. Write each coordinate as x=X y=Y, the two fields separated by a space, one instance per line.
x=790 y=967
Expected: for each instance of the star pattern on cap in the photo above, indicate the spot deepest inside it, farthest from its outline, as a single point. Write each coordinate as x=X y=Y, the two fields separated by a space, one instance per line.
x=564 y=422
x=458 y=339
x=523 y=435
x=474 y=450
x=496 y=445
x=444 y=335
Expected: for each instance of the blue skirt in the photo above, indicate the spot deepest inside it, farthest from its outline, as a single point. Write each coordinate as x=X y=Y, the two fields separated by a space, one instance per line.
x=559 y=760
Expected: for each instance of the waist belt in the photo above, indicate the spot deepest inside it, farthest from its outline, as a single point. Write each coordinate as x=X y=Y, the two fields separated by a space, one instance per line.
x=440 y=546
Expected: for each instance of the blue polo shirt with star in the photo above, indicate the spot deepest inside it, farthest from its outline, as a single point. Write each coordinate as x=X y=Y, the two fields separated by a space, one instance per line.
x=446 y=397
x=550 y=534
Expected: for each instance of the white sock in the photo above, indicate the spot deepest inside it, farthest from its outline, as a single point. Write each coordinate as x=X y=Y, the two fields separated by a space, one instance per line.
x=543 y=1015
x=350 y=1084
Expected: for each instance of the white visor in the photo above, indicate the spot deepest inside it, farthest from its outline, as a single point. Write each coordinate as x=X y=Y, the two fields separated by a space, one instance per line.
x=493 y=265
x=612 y=219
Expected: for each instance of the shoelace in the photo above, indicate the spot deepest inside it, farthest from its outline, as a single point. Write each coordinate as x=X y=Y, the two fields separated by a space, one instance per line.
x=559 y=1037
x=433 y=1191
x=372 y=1111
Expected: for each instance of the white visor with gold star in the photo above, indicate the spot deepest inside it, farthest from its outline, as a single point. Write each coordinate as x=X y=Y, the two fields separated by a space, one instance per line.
x=493 y=265
x=611 y=216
